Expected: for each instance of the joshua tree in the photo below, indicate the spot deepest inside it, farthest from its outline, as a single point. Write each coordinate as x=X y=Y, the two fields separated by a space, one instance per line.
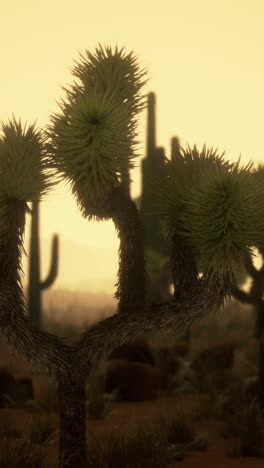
x=255 y=294
x=35 y=285
x=91 y=143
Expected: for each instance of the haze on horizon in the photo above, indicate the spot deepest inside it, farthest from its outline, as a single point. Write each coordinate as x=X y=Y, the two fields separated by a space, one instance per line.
x=205 y=62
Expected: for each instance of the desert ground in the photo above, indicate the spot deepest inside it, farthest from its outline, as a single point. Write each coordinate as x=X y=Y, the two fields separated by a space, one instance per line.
x=211 y=419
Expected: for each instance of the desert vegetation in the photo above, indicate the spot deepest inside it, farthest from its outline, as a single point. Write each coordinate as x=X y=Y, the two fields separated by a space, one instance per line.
x=216 y=384
x=211 y=212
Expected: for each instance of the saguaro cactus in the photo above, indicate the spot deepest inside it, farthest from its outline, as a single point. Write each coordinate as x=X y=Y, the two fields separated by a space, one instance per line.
x=35 y=285
x=155 y=245
x=90 y=143
x=152 y=166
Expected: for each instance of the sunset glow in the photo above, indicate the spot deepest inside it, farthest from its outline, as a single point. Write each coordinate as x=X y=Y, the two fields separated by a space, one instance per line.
x=205 y=65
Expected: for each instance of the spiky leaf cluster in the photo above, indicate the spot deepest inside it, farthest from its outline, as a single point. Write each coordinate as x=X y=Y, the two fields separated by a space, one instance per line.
x=258 y=175
x=225 y=216
x=90 y=144
x=218 y=206
x=24 y=169
x=112 y=71
x=180 y=175
x=93 y=138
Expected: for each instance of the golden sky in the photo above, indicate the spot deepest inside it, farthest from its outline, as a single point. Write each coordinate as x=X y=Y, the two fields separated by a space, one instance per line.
x=206 y=66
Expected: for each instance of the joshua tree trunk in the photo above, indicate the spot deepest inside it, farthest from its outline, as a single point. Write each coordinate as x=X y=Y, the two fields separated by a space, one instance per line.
x=183 y=267
x=72 y=424
x=128 y=222
x=255 y=298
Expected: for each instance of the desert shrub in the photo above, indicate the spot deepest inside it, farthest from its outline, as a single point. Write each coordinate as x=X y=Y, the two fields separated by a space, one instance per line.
x=6 y=430
x=172 y=366
x=48 y=397
x=97 y=405
x=25 y=389
x=8 y=388
x=248 y=426
x=180 y=435
x=137 y=351
x=135 y=381
x=14 y=454
x=217 y=357
x=147 y=447
x=41 y=430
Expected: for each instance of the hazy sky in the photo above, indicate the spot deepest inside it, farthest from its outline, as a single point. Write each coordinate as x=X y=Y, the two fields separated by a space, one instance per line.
x=206 y=66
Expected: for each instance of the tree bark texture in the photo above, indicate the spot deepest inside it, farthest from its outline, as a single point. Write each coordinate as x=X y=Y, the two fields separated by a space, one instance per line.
x=119 y=207
x=72 y=424
x=183 y=268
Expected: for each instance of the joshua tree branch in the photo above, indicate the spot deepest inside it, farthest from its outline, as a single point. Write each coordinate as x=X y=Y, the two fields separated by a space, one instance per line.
x=131 y=274
x=46 y=350
x=245 y=297
x=119 y=207
x=173 y=317
x=183 y=267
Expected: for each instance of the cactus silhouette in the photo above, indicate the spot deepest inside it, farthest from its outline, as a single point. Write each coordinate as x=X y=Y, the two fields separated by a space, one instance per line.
x=155 y=245
x=152 y=165
x=90 y=142
x=35 y=285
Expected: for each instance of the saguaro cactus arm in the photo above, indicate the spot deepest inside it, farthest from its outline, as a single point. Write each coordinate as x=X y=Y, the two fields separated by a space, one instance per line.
x=35 y=285
x=53 y=271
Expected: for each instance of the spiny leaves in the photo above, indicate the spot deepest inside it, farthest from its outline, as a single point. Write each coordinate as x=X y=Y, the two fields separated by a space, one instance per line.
x=114 y=71
x=189 y=164
x=90 y=143
x=24 y=170
x=225 y=216
x=216 y=205
x=93 y=138
x=179 y=176
x=25 y=174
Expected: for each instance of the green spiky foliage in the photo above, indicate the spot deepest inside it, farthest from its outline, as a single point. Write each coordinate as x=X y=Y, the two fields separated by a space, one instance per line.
x=93 y=145
x=214 y=205
x=22 y=160
x=25 y=170
x=182 y=173
x=24 y=176
x=227 y=199
x=93 y=139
